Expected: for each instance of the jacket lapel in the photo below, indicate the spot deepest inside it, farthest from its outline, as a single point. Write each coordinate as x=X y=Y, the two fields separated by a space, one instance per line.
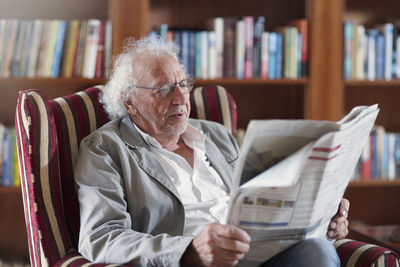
x=218 y=161
x=146 y=159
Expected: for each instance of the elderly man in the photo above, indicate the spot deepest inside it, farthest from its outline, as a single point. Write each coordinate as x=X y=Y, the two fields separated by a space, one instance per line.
x=153 y=185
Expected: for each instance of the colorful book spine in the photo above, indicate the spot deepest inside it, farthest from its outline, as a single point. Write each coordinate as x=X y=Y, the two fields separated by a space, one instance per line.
x=58 y=50
x=240 y=48
x=248 y=64
x=90 y=51
x=257 y=41
x=348 y=49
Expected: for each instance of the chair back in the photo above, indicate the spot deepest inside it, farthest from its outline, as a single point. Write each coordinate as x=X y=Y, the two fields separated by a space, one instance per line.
x=48 y=137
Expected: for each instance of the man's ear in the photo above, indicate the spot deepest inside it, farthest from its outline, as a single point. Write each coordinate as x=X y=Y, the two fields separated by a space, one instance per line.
x=130 y=107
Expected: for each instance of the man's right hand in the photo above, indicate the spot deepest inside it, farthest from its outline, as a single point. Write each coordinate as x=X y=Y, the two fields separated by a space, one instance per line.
x=217 y=245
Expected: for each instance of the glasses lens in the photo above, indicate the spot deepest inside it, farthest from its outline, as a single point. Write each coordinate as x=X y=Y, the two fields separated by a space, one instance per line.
x=166 y=88
x=186 y=84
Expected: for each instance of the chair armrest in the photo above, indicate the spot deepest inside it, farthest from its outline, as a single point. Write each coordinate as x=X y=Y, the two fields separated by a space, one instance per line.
x=75 y=259
x=356 y=253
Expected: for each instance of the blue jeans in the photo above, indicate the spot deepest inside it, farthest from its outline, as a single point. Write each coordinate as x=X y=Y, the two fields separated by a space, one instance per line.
x=311 y=252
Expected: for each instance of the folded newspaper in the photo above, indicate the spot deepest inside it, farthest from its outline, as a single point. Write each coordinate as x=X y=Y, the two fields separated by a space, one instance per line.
x=291 y=176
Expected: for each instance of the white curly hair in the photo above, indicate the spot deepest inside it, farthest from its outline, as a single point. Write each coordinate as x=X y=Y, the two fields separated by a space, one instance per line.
x=121 y=85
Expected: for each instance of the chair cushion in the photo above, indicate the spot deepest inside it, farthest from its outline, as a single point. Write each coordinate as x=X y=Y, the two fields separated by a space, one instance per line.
x=48 y=134
x=215 y=103
x=355 y=253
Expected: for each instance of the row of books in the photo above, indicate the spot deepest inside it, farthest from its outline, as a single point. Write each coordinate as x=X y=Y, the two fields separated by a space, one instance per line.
x=241 y=48
x=372 y=53
x=9 y=170
x=380 y=158
x=55 y=48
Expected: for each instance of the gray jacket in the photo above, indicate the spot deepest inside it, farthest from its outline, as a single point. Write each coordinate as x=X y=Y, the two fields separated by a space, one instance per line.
x=130 y=211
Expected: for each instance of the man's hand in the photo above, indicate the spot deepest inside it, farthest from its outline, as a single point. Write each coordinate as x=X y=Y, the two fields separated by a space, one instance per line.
x=217 y=245
x=339 y=223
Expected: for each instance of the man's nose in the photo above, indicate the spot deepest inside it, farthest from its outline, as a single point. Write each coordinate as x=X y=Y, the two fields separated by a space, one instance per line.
x=178 y=93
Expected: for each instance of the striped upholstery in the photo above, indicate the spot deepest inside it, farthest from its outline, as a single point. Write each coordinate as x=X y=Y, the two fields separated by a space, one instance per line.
x=355 y=253
x=48 y=134
x=214 y=103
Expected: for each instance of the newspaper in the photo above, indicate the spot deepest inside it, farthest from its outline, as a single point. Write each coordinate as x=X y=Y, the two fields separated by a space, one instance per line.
x=291 y=176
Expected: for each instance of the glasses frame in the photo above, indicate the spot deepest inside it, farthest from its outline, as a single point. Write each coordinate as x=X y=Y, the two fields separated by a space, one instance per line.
x=165 y=92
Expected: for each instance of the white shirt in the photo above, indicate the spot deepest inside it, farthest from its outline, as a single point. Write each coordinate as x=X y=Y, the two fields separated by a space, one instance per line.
x=202 y=191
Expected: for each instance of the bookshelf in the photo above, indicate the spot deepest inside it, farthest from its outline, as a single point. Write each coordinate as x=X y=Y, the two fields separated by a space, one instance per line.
x=323 y=95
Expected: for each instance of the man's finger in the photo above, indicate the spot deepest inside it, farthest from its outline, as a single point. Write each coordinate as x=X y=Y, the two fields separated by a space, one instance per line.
x=232 y=232
x=233 y=245
x=344 y=207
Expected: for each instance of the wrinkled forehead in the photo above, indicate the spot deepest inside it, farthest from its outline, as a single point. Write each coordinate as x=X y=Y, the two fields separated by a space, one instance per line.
x=154 y=67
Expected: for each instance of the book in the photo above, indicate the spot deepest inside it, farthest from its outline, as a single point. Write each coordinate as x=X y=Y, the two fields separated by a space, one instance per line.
x=100 y=51
x=229 y=47
x=302 y=27
x=58 y=48
x=34 y=52
x=348 y=49
x=258 y=31
x=264 y=55
x=204 y=54
x=7 y=164
x=279 y=56
x=240 y=49
x=70 y=47
x=219 y=46
x=371 y=51
x=248 y=62
x=12 y=30
x=108 y=49
x=212 y=56
x=286 y=165
x=49 y=58
x=18 y=49
x=387 y=32
x=44 y=48
x=80 y=49
x=380 y=57
x=90 y=50
x=272 y=55
x=23 y=68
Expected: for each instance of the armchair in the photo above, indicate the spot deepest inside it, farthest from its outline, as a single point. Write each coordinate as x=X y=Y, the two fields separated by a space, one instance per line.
x=48 y=137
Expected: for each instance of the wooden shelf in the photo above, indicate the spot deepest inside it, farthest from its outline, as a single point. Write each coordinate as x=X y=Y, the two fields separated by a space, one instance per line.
x=258 y=81
x=10 y=190
x=374 y=183
x=363 y=83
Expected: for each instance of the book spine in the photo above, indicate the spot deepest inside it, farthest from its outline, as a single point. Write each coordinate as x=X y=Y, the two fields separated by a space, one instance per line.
x=108 y=49
x=212 y=56
x=229 y=47
x=35 y=48
x=59 y=48
x=272 y=47
x=204 y=55
x=70 y=47
x=248 y=64
x=100 y=51
x=264 y=55
x=380 y=57
x=11 y=39
x=279 y=55
x=240 y=48
x=348 y=50
x=7 y=166
x=90 y=52
x=198 y=56
x=258 y=31
x=219 y=45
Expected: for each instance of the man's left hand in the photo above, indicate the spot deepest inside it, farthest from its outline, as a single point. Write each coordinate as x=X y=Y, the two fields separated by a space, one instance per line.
x=338 y=227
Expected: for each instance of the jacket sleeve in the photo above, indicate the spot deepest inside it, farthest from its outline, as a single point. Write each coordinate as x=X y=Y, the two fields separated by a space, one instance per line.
x=105 y=233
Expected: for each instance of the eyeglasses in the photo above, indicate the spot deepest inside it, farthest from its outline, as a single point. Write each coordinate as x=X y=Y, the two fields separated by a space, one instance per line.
x=186 y=85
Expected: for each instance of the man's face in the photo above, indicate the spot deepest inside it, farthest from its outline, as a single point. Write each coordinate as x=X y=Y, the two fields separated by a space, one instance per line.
x=154 y=114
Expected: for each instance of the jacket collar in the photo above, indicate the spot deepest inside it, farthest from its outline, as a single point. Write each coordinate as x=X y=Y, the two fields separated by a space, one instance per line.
x=149 y=162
